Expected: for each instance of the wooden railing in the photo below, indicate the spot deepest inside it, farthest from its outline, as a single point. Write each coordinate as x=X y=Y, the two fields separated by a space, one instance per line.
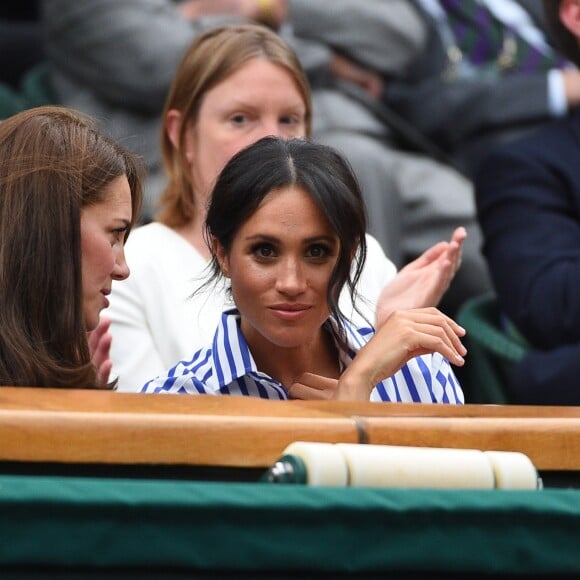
x=97 y=427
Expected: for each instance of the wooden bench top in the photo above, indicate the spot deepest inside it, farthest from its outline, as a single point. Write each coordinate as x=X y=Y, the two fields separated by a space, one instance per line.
x=81 y=426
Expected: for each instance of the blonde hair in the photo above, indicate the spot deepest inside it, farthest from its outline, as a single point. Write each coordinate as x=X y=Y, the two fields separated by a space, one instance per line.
x=211 y=58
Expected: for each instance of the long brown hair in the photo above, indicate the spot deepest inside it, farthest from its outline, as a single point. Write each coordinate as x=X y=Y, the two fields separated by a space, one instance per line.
x=53 y=162
x=210 y=59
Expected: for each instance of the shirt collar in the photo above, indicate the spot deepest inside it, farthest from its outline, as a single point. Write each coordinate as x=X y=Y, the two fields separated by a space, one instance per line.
x=232 y=358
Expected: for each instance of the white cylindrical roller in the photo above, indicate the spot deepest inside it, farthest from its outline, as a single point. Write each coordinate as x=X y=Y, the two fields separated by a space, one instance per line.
x=325 y=464
x=394 y=466
x=513 y=470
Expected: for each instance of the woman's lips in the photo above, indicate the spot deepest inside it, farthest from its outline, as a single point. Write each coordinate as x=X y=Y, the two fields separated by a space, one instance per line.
x=104 y=293
x=290 y=312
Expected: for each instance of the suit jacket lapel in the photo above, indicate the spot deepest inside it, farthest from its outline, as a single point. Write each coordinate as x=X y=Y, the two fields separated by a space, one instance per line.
x=575 y=128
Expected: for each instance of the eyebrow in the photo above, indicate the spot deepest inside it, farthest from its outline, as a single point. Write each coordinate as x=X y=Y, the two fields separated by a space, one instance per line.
x=242 y=103
x=269 y=238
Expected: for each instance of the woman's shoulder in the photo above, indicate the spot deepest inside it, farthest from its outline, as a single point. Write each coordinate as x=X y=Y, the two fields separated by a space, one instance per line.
x=151 y=235
x=155 y=243
x=376 y=256
x=378 y=270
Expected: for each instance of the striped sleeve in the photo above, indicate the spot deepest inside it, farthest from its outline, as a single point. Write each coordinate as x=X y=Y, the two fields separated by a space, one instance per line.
x=184 y=377
x=424 y=379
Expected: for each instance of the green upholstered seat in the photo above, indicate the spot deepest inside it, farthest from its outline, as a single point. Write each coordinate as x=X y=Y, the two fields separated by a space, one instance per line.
x=36 y=87
x=493 y=349
x=10 y=101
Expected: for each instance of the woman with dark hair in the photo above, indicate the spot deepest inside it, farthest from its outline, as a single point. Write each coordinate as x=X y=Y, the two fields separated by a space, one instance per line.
x=68 y=198
x=286 y=225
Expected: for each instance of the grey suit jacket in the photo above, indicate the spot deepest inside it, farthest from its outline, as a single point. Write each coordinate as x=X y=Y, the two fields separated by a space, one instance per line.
x=455 y=111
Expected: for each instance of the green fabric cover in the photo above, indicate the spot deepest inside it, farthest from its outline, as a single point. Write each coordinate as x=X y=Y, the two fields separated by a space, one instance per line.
x=492 y=351
x=127 y=524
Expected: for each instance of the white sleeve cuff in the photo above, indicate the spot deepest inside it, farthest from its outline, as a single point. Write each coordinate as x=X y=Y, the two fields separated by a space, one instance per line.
x=557 y=103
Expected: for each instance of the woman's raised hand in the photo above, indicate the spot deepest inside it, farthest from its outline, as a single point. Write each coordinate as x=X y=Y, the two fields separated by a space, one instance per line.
x=403 y=336
x=423 y=281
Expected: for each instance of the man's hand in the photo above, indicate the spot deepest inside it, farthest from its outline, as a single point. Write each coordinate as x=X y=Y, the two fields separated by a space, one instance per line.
x=270 y=12
x=572 y=87
x=346 y=70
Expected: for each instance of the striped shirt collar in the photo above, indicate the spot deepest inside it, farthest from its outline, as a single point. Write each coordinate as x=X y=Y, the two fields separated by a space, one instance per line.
x=227 y=368
x=232 y=358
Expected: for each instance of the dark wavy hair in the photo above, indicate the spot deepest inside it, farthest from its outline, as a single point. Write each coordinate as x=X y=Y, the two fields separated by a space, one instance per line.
x=273 y=163
x=53 y=162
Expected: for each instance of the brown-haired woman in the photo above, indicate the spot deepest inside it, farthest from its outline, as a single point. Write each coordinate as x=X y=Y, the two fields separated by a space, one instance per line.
x=68 y=198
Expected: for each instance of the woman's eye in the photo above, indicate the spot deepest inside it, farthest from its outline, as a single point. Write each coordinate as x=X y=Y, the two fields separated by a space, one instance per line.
x=238 y=119
x=119 y=234
x=289 y=120
x=318 y=251
x=264 y=251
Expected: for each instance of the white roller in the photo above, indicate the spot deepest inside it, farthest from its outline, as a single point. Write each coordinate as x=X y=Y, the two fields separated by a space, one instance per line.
x=325 y=464
x=396 y=466
x=513 y=470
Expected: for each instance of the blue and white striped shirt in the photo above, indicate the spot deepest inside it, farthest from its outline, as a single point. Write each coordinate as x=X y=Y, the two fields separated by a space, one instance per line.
x=228 y=368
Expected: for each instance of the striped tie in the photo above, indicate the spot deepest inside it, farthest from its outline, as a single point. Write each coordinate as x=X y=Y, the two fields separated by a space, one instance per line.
x=486 y=42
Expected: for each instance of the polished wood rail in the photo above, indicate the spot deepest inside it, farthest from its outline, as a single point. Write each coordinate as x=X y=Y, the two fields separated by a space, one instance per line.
x=103 y=427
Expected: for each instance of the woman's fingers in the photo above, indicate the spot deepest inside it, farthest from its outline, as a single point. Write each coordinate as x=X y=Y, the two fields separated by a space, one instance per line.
x=408 y=333
x=99 y=347
x=97 y=334
x=311 y=387
x=429 y=256
x=429 y=339
x=104 y=371
x=456 y=247
x=429 y=330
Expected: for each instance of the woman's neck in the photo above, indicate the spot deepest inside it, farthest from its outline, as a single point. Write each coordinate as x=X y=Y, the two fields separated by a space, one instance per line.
x=318 y=356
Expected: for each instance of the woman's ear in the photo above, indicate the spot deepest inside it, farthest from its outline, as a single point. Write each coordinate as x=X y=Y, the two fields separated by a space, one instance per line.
x=221 y=256
x=172 y=126
x=173 y=121
x=570 y=17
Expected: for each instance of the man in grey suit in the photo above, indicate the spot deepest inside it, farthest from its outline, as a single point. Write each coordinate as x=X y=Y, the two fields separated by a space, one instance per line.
x=115 y=59
x=469 y=108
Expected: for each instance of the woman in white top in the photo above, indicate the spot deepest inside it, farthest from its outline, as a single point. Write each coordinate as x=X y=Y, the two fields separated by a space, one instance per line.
x=234 y=85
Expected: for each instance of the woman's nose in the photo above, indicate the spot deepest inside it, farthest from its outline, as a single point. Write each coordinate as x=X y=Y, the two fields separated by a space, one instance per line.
x=121 y=269
x=291 y=279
